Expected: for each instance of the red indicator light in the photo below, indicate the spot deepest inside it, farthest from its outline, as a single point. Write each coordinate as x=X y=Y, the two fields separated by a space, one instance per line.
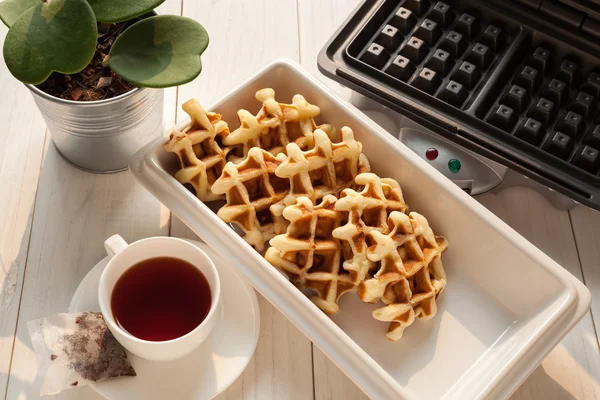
x=431 y=154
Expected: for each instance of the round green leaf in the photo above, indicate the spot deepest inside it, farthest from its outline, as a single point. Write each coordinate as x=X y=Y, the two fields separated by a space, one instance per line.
x=56 y=36
x=122 y=10
x=159 y=51
x=11 y=10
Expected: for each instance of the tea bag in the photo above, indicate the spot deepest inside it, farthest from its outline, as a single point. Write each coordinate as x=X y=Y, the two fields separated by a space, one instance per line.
x=74 y=350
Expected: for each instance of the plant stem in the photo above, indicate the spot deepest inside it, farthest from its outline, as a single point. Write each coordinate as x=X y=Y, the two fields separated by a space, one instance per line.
x=105 y=61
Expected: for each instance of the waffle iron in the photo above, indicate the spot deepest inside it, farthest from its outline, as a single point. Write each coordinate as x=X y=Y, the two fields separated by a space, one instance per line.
x=513 y=82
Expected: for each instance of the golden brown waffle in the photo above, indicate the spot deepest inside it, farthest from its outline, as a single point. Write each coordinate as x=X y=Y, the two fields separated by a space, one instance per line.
x=410 y=274
x=282 y=184
x=251 y=188
x=367 y=211
x=327 y=168
x=198 y=148
x=309 y=255
x=276 y=125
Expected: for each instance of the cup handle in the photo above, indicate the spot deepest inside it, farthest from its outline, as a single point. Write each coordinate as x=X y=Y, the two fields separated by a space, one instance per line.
x=114 y=245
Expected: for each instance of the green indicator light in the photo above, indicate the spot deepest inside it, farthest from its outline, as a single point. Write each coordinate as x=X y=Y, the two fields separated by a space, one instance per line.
x=454 y=165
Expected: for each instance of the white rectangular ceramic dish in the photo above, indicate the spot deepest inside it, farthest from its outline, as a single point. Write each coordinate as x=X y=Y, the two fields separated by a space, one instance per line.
x=506 y=304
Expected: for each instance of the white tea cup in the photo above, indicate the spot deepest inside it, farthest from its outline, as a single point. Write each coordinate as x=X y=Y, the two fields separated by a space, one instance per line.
x=124 y=256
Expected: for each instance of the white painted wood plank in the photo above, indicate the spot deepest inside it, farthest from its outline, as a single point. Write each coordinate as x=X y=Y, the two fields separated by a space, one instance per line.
x=74 y=213
x=316 y=25
x=21 y=148
x=253 y=34
x=586 y=226
x=572 y=369
x=244 y=36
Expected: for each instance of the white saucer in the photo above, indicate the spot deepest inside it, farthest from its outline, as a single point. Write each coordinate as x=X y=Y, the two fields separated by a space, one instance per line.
x=212 y=368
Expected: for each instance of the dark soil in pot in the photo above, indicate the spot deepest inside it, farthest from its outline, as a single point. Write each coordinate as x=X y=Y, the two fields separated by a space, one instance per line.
x=95 y=82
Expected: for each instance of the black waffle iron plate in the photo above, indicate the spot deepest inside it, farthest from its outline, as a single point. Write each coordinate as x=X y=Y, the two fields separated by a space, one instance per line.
x=515 y=81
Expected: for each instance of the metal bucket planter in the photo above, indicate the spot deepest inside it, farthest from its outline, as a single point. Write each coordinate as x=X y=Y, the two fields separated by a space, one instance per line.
x=100 y=136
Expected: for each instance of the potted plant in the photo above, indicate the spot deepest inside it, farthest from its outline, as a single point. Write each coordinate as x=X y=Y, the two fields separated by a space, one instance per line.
x=95 y=67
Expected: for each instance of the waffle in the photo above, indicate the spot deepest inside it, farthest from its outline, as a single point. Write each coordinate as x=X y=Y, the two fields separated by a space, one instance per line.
x=309 y=255
x=327 y=168
x=409 y=273
x=367 y=212
x=333 y=226
x=276 y=125
x=200 y=156
x=251 y=188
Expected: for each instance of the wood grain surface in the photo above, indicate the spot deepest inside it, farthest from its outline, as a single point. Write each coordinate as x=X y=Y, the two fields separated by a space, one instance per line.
x=55 y=218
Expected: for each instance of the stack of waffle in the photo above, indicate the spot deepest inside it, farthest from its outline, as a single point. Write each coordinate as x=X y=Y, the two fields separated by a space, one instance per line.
x=332 y=225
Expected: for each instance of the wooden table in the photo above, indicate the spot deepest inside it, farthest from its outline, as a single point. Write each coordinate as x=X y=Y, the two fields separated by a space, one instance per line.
x=54 y=219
